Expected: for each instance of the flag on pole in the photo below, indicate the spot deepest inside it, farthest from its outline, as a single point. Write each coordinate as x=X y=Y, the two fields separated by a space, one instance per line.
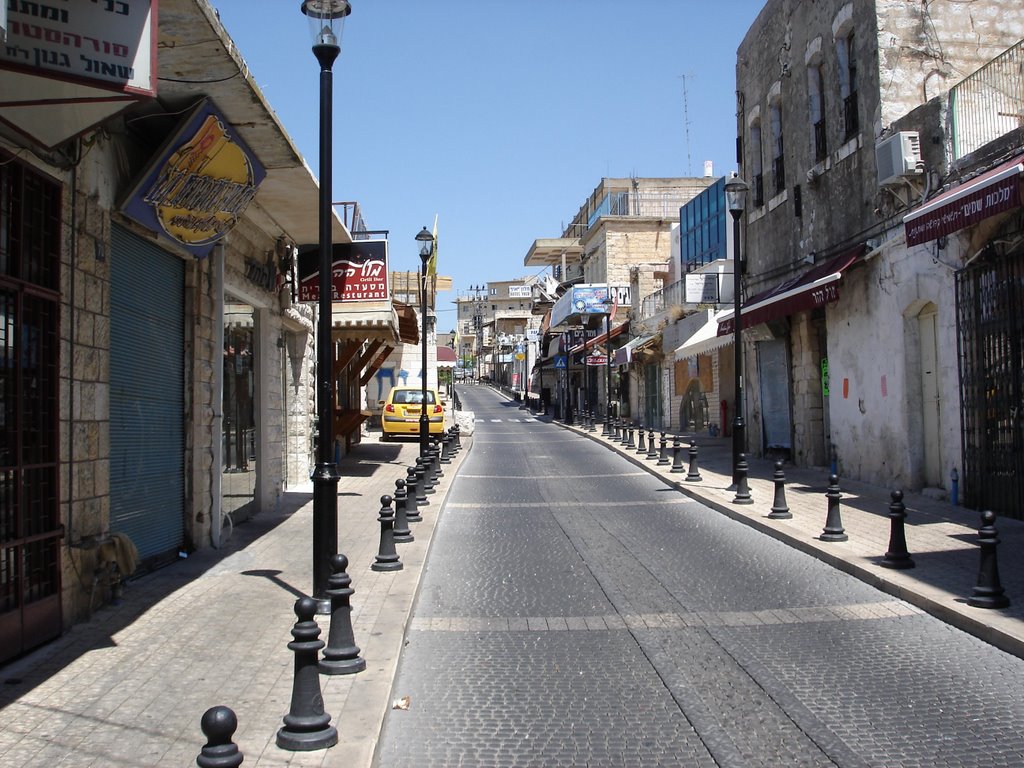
x=432 y=263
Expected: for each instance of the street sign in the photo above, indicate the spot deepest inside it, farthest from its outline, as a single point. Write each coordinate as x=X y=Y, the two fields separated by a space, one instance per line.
x=561 y=362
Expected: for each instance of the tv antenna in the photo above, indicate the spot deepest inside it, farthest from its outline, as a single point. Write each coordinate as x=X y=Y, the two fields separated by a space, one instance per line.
x=686 y=125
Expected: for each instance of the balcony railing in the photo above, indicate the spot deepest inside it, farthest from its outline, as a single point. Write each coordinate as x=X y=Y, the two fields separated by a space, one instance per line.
x=758 y=189
x=851 y=120
x=659 y=301
x=779 y=173
x=820 y=141
x=988 y=103
x=573 y=273
x=631 y=203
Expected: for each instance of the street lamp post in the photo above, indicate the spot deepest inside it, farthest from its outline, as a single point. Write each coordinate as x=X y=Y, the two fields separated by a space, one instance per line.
x=735 y=197
x=426 y=240
x=608 y=372
x=326 y=19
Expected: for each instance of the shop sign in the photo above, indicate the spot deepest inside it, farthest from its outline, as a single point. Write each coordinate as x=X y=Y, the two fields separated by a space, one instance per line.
x=360 y=272
x=67 y=66
x=962 y=207
x=519 y=292
x=103 y=43
x=600 y=360
x=199 y=184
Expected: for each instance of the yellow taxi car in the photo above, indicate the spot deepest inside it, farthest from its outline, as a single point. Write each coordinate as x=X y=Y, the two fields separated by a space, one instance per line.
x=400 y=414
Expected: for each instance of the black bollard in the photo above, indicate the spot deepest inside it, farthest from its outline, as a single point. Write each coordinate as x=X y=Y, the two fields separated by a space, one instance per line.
x=631 y=437
x=652 y=448
x=988 y=593
x=341 y=656
x=834 y=530
x=446 y=453
x=386 y=558
x=641 y=446
x=421 y=482
x=438 y=467
x=401 y=533
x=693 y=474
x=663 y=451
x=306 y=726
x=677 y=455
x=219 y=725
x=897 y=556
x=742 y=488
x=412 y=512
x=458 y=438
x=430 y=475
x=617 y=430
x=780 y=508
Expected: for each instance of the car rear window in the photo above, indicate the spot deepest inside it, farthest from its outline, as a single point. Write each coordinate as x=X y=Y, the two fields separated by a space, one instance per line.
x=411 y=396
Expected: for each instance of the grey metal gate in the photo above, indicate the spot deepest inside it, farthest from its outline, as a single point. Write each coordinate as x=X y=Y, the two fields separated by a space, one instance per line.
x=990 y=329
x=147 y=410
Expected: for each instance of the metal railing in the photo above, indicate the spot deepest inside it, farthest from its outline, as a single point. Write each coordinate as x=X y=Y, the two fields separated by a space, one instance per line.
x=851 y=118
x=659 y=301
x=630 y=203
x=988 y=103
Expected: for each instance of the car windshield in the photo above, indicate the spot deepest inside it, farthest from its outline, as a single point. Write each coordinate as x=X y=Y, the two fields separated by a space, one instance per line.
x=411 y=397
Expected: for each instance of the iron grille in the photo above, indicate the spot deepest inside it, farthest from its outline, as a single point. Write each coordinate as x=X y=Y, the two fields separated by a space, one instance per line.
x=851 y=121
x=991 y=362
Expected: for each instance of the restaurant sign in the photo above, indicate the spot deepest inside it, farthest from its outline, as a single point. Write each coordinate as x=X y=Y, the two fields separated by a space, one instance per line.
x=360 y=272
x=199 y=183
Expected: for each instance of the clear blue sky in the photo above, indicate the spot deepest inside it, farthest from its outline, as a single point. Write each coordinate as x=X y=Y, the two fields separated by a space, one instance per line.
x=500 y=117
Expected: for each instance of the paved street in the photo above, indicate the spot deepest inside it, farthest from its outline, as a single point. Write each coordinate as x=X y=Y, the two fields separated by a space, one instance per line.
x=575 y=610
x=582 y=605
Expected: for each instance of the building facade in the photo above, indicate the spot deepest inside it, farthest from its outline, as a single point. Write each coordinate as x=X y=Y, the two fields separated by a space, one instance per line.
x=158 y=378
x=820 y=87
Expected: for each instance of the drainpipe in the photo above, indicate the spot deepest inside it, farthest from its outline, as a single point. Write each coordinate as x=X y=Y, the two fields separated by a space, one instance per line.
x=217 y=427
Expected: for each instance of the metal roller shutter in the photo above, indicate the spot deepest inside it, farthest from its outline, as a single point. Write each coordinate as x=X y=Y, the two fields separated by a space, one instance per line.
x=147 y=480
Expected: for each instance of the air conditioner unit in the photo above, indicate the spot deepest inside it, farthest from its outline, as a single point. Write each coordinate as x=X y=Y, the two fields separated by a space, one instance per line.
x=898 y=156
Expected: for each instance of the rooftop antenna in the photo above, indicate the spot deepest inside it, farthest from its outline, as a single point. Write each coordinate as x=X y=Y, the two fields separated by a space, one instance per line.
x=686 y=126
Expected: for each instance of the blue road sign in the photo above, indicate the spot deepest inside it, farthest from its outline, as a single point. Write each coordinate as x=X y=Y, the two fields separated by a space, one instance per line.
x=561 y=362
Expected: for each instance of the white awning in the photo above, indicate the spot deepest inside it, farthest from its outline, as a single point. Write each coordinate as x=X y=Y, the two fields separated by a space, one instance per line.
x=367 y=320
x=624 y=354
x=705 y=337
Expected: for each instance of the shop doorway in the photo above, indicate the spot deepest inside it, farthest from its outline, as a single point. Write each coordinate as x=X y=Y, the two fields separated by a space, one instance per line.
x=238 y=438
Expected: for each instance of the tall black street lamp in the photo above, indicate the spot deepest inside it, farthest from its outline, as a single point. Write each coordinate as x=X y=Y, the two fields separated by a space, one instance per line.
x=426 y=241
x=608 y=304
x=735 y=198
x=326 y=19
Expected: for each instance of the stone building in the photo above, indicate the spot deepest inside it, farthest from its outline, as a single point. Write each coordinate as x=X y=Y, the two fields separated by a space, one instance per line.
x=158 y=378
x=621 y=237
x=850 y=350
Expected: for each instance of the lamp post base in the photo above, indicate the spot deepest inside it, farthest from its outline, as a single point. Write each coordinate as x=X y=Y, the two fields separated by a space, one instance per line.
x=325 y=531
x=739 y=439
